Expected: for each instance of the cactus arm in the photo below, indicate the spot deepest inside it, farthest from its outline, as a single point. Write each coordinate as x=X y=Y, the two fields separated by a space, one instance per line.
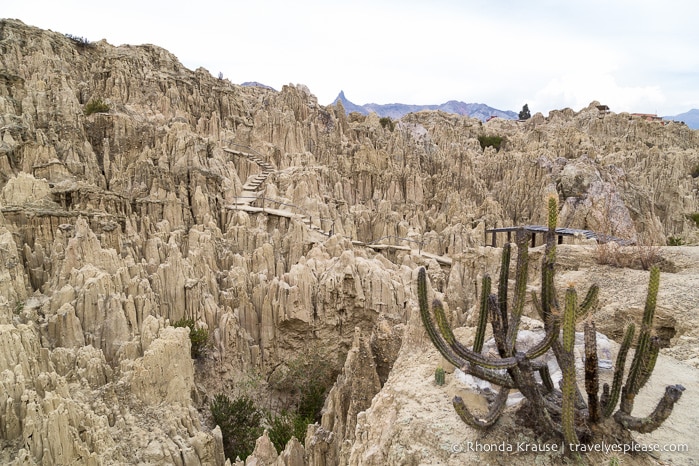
x=537 y=306
x=632 y=385
x=499 y=325
x=497 y=377
x=548 y=293
x=546 y=380
x=589 y=303
x=521 y=275
x=482 y=314
x=493 y=415
x=604 y=399
x=548 y=266
x=427 y=322
x=543 y=346
x=592 y=371
x=652 y=296
x=422 y=289
x=661 y=412
x=569 y=385
x=504 y=277
x=552 y=210
x=649 y=362
x=610 y=401
x=462 y=351
x=444 y=341
x=630 y=389
x=442 y=323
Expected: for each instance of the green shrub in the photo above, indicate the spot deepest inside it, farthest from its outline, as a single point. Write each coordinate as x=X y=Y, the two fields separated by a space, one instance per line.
x=199 y=337
x=675 y=241
x=387 y=122
x=240 y=422
x=96 y=106
x=309 y=377
x=286 y=425
x=695 y=218
x=490 y=141
x=695 y=171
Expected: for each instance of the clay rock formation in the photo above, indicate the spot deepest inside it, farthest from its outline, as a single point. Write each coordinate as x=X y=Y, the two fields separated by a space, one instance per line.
x=275 y=224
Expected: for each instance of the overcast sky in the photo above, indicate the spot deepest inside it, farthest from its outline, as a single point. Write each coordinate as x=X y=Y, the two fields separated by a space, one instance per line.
x=635 y=55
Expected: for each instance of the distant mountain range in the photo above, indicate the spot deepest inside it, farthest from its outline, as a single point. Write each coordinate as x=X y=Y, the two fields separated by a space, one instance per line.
x=690 y=118
x=480 y=111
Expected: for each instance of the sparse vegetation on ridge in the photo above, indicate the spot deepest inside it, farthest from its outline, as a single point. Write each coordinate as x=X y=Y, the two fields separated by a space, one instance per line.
x=199 y=337
x=695 y=218
x=675 y=241
x=490 y=141
x=96 y=106
x=81 y=42
x=387 y=122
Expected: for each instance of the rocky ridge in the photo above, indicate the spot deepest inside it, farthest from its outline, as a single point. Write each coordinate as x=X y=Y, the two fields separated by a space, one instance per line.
x=473 y=110
x=113 y=225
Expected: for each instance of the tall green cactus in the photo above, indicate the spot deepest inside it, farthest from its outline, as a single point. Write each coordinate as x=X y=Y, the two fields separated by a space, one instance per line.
x=592 y=371
x=516 y=369
x=569 y=387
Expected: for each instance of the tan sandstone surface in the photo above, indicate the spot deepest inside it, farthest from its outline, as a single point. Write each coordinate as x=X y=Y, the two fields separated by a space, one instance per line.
x=281 y=225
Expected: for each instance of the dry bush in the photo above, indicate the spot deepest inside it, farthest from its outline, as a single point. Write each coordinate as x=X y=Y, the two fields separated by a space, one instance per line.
x=647 y=255
x=641 y=256
x=608 y=254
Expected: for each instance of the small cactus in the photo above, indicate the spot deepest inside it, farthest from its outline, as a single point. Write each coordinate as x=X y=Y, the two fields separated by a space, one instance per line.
x=439 y=376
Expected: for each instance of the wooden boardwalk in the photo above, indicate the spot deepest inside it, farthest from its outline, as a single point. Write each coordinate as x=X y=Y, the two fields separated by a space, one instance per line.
x=560 y=232
x=253 y=192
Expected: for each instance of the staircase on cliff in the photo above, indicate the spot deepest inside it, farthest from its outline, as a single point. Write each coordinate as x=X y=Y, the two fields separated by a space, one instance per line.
x=252 y=191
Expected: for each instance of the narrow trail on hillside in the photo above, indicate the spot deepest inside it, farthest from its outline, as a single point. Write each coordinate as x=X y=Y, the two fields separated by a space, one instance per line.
x=253 y=192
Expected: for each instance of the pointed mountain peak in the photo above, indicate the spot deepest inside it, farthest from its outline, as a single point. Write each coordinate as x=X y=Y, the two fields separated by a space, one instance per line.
x=349 y=106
